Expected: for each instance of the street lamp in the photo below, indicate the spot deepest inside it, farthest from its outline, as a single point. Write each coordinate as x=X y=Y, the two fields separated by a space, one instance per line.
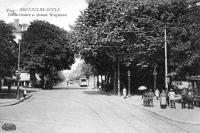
x=17 y=40
x=129 y=83
x=129 y=79
x=155 y=74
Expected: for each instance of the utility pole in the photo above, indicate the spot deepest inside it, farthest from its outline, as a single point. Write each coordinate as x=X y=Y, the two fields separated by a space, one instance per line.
x=166 y=71
x=18 y=75
x=154 y=74
x=129 y=83
x=18 y=36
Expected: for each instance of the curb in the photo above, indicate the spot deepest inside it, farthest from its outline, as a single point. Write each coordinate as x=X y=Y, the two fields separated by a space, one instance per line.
x=167 y=117
x=17 y=102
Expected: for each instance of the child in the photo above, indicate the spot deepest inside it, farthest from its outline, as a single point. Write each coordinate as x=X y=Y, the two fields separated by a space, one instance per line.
x=24 y=93
x=157 y=93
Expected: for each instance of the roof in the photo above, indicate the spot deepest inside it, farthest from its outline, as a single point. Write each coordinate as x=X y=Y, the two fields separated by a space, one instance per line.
x=194 y=77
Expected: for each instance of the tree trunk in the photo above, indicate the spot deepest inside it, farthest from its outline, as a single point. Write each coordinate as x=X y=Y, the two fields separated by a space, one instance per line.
x=94 y=82
x=102 y=84
x=105 y=82
x=33 y=78
x=115 y=78
x=2 y=82
x=97 y=81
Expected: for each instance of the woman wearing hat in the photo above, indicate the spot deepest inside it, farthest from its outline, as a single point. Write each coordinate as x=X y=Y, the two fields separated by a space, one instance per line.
x=163 y=99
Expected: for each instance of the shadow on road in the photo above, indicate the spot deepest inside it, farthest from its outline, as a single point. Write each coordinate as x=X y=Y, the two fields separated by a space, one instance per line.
x=7 y=96
x=67 y=88
x=96 y=93
x=4 y=94
x=29 y=91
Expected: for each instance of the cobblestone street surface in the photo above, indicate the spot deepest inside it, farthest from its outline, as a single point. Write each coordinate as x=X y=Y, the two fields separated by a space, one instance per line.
x=76 y=110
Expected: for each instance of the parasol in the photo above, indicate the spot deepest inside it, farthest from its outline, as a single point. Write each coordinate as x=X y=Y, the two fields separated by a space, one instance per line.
x=142 y=88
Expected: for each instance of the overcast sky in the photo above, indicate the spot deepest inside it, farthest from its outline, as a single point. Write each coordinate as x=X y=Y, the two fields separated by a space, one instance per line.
x=71 y=8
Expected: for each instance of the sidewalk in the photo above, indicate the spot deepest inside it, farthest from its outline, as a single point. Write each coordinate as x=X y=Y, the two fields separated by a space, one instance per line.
x=10 y=99
x=185 y=116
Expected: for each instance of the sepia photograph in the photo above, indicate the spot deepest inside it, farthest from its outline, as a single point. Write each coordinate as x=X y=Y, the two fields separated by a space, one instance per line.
x=100 y=66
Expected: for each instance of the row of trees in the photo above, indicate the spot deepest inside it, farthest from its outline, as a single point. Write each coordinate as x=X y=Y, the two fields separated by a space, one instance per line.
x=45 y=49
x=131 y=31
x=109 y=33
x=7 y=50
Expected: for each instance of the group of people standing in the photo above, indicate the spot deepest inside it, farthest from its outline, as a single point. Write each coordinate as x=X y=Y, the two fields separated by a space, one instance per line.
x=148 y=98
x=167 y=98
x=187 y=97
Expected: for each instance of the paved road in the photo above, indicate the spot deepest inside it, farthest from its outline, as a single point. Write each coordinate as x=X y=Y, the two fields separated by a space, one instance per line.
x=85 y=111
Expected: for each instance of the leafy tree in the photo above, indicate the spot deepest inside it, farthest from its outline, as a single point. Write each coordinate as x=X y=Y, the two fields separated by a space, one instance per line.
x=82 y=69
x=118 y=29
x=46 y=49
x=7 y=46
x=130 y=30
x=185 y=50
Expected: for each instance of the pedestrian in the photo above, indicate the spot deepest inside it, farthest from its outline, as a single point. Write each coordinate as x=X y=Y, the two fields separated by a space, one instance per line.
x=24 y=92
x=145 y=98
x=9 y=84
x=184 y=98
x=124 y=92
x=150 y=97
x=157 y=93
x=190 y=99
x=67 y=83
x=163 y=101
x=172 y=95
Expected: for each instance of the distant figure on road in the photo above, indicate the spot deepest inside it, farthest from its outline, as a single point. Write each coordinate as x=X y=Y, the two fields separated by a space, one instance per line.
x=163 y=100
x=24 y=92
x=172 y=98
x=190 y=99
x=157 y=93
x=145 y=99
x=184 y=98
x=150 y=97
x=67 y=83
x=124 y=92
x=167 y=98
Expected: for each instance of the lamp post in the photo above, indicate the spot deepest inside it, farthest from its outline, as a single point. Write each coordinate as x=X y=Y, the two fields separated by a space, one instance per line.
x=17 y=40
x=155 y=74
x=129 y=83
x=129 y=79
